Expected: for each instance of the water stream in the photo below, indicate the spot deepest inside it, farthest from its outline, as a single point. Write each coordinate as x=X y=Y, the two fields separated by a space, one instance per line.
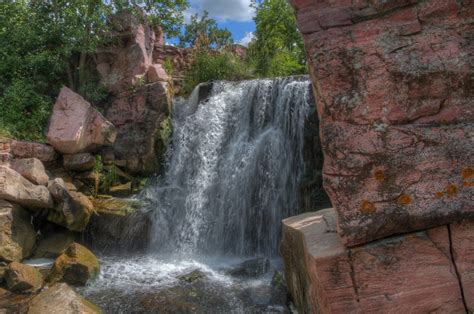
x=232 y=174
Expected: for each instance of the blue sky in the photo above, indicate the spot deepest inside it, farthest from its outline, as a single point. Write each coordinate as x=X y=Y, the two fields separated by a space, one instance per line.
x=236 y=15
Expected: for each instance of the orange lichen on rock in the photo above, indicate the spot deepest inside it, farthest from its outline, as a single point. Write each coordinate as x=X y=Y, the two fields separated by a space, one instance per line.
x=452 y=190
x=404 y=199
x=439 y=194
x=379 y=175
x=367 y=208
x=467 y=173
x=468 y=184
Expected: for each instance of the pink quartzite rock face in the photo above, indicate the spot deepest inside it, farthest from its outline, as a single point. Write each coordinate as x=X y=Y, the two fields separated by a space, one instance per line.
x=140 y=94
x=404 y=274
x=76 y=126
x=395 y=93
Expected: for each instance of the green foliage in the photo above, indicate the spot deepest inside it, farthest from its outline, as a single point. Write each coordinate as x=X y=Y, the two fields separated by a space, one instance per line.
x=168 y=66
x=278 y=48
x=50 y=43
x=99 y=165
x=109 y=178
x=23 y=111
x=211 y=65
x=204 y=33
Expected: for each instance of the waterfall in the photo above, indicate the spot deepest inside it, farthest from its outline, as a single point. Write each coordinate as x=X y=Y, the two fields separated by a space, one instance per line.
x=233 y=169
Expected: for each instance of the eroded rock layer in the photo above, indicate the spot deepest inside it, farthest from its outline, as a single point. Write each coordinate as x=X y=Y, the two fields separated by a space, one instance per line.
x=395 y=91
x=419 y=272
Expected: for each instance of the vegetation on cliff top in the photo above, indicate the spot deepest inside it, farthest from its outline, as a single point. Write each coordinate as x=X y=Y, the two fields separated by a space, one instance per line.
x=47 y=44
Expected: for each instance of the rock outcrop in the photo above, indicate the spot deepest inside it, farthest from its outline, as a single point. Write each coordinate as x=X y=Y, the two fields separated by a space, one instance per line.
x=15 y=188
x=17 y=235
x=23 y=278
x=79 y=162
x=141 y=103
x=60 y=299
x=416 y=272
x=76 y=266
x=76 y=126
x=394 y=94
x=394 y=89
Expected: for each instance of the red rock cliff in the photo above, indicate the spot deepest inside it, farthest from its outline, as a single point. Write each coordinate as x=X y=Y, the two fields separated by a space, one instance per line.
x=395 y=93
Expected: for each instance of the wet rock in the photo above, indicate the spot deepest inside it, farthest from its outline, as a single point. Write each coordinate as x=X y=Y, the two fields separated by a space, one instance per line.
x=76 y=266
x=192 y=276
x=59 y=299
x=43 y=152
x=120 y=226
x=15 y=188
x=251 y=268
x=393 y=82
x=17 y=235
x=31 y=169
x=23 y=278
x=79 y=162
x=73 y=209
x=76 y=126
x=52 y=244
x=387 y=276
x=11 y=302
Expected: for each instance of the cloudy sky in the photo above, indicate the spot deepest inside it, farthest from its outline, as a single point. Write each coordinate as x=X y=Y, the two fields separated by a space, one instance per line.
x=236 y=15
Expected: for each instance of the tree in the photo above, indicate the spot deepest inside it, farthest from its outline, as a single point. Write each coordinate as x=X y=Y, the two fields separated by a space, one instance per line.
x=48 y=43
x=278 y=48
x=204 y=32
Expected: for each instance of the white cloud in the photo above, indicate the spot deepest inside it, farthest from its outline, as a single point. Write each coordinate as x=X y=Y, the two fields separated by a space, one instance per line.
x=245 y=41
x=223 y=10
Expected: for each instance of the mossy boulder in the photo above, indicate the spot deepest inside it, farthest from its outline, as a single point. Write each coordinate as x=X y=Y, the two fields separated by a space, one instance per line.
x=59 y=299
x=22 y=278
x=76 y=266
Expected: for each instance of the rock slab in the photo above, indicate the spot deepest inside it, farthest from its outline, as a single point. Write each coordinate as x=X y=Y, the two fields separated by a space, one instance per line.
x=394 y=93
x=15 y=188
x=23 y=149
x=76 y=126
x=31 y=169
x=414 y=273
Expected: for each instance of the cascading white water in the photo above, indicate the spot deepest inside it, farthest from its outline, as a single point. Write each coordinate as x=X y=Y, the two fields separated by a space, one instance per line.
x=233 y=170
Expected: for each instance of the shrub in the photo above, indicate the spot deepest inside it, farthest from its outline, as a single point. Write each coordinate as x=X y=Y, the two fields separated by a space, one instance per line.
x=24 y=113
x=215 y=65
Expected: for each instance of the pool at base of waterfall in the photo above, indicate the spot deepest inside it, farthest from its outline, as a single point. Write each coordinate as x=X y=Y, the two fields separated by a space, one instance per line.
x=151 y=284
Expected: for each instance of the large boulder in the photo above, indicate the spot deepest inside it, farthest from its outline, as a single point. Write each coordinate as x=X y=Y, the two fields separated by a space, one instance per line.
x=15 y=188
x=31 y=169
x=17 y=235
x=76 y=126
x=76 y=266
x=411 y=273
x=72 y=209
x=43 y=152
x=61 y=299
x=393 y=82
x=23 y=278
